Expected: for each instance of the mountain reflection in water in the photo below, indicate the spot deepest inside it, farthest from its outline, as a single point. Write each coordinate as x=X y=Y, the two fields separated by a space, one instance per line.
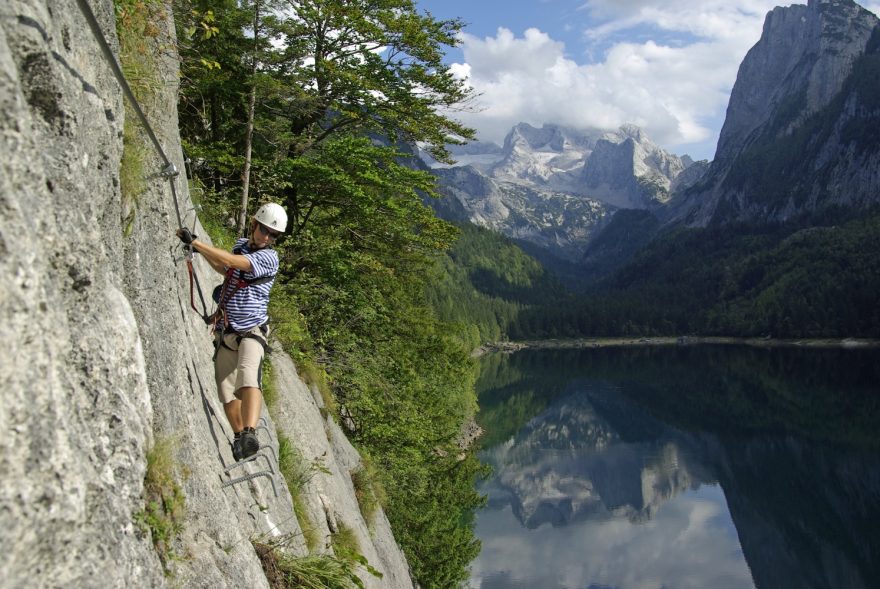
x=699 y=467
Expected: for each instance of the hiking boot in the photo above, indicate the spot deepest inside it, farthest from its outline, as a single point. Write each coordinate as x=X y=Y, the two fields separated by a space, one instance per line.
x=249 y=443
x=236 y=448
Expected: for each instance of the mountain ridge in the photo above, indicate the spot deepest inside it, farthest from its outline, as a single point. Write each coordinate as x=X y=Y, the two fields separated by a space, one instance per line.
x=555 y=187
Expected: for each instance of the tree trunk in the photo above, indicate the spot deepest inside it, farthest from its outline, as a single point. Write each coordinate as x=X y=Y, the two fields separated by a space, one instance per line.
x=246 y=173
x=248 y=140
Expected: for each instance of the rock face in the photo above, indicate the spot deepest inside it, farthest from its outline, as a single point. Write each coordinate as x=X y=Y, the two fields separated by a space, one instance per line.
x=622 y=168
x=104 y=355
x=796 y=138
x=76 y=402
x=549 y=157
x=556 y=187
x=627 y=170
x=560 y=222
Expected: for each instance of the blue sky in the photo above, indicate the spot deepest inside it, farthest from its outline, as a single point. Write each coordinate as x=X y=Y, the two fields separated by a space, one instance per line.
x=665 y=65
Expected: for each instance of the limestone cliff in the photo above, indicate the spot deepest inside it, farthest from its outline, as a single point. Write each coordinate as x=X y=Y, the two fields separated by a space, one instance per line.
x=103 y=354
x=800 y=132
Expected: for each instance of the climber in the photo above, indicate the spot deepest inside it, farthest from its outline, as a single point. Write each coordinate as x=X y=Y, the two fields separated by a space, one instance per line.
x=241 y=326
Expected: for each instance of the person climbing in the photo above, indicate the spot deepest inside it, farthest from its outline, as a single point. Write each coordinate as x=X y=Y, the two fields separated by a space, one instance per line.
x=241 y=326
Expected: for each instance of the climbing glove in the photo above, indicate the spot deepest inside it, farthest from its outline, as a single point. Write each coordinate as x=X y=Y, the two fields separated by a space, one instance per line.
x=186 y=236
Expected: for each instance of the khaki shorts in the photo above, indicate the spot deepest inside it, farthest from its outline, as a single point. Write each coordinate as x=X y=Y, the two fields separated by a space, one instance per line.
x=239 y=364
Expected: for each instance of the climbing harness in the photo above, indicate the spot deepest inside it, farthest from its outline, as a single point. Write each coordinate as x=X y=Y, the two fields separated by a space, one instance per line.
x=225 y=291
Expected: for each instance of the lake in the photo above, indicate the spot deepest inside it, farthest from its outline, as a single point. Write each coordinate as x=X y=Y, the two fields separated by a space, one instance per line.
x=704 y=467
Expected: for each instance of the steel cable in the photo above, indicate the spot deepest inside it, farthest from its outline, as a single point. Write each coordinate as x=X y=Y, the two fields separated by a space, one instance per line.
x=169 y=170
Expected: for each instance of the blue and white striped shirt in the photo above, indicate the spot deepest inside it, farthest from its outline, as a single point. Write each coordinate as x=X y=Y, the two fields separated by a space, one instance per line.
x=248 y=306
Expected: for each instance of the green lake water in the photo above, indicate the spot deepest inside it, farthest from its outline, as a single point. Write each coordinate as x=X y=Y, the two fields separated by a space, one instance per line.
x=704 y=467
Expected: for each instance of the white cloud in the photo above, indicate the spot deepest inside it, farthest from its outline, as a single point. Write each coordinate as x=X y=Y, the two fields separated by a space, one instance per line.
x=872 y=6
x=676 y=89
x=690 y=544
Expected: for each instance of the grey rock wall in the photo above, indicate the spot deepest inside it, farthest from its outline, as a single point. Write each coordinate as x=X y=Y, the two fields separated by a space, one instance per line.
x=76 y=408
x=103 y=354
x=330 y=496
x=797 y=136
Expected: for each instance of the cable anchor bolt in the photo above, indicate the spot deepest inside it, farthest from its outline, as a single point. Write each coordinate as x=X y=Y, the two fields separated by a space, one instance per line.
x=170 y=171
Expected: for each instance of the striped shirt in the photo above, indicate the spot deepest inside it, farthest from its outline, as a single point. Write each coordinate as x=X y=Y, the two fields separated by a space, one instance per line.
x=248 y=306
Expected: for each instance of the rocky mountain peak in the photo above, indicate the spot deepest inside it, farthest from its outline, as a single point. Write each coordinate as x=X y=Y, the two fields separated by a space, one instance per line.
x=549 y=137
x=792 y=142
x=622 y=167
x=627 y=169
x=556 y=186
x=633 y=132
x=545 y=157
x=801 y=62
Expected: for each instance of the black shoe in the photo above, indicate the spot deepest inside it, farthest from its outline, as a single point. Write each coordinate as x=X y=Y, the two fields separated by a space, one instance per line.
x=236 y=448
x=249 y=443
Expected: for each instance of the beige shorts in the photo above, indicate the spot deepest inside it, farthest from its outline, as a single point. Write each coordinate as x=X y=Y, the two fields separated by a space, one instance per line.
x=239 y=364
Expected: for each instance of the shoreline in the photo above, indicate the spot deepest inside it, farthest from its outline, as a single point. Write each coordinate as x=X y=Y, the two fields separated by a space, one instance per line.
x=509 y=347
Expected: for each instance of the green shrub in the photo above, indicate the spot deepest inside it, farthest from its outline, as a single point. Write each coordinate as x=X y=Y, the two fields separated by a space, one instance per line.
x=270 y=391
x=344 y=541
x=297 y=473
x=165 y=505
x=368 y=489
x=310 y=572
x=135 y=31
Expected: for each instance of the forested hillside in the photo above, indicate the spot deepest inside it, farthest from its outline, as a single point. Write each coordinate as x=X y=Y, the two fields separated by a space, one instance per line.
x=486 y=282
x=279 y=103
x=813 y=278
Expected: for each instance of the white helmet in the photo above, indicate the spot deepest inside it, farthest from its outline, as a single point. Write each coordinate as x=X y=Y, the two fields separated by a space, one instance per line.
x=272 y=216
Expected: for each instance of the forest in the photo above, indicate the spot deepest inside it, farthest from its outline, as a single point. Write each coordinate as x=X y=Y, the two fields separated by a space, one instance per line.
x=808 y=278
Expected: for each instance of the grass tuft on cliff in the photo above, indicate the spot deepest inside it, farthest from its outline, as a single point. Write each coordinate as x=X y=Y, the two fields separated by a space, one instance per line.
x=136 y=31
x=310 y=572
x=164 y=501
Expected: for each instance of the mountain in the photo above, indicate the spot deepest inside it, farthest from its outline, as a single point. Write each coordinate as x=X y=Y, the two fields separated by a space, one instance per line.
x=622 y=168
x=800 y=135
x=549 y=157
x=628 y=170
x=555 y=188
x=775 y=236
x=557 y=221
x=556 y=469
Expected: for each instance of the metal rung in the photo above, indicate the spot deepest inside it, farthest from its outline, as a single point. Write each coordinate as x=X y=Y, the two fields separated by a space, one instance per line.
x=247 y=477
x=251 y=459
x=272 y=450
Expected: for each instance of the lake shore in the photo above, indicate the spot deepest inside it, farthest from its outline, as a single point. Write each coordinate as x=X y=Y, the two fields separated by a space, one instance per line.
x=509 y=347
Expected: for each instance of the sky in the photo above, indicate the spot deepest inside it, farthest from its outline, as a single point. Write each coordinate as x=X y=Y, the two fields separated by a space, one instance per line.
x=690 y=543
x=665 y=65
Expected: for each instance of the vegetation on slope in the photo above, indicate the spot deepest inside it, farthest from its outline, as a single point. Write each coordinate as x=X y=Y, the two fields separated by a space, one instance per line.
x=810 y=278
x=486 y=281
